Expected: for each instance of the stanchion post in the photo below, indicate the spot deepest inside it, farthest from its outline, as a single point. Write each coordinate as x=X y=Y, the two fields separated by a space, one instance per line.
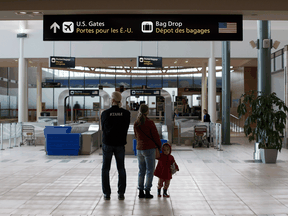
x=15 y=134
x=21 y=135
x=220 y=140
x=2 y=137
x=179 y=132
x=217 y=136
x=10 y=147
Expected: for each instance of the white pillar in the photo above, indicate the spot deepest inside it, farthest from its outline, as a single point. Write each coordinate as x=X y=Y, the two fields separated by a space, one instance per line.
x=203 y=90
x=212 y=85
x=39 y=90
x=22 y=80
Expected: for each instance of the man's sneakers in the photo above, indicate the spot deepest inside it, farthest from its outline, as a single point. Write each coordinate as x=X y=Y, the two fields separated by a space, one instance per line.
x=141 y=194
x=121 y=196
x=106 y=197
x=148 y=195
x=159 y=192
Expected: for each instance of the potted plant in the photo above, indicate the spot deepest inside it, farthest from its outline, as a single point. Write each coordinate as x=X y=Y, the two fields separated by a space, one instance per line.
x=269 y=114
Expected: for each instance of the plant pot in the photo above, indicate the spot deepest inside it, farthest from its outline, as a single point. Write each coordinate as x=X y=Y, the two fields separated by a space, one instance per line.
x=269 y=155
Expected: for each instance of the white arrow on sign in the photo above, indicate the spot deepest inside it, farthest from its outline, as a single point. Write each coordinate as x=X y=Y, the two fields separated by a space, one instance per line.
x=55 y=26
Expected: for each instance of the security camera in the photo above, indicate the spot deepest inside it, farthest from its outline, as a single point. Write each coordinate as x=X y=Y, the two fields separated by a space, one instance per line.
x=131 y=60
x=276 y=44
x=253 y=44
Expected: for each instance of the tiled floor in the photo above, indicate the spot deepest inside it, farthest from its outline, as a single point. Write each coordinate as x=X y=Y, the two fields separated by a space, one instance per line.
x=210 y=182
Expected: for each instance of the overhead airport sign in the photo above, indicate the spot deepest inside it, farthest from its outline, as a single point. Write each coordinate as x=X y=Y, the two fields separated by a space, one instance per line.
x=62 y=62
x=77 y=92
x=143 y=27
x=146 y=92
x=146 y=61
x=51 y=84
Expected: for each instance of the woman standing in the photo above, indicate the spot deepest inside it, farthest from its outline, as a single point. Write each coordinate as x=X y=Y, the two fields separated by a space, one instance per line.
x=147 y=141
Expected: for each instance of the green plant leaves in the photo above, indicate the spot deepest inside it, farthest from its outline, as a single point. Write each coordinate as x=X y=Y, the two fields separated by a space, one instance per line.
x=267 y=112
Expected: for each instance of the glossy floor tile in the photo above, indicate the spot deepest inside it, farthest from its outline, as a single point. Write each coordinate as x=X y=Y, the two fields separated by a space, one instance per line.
x=210 y=182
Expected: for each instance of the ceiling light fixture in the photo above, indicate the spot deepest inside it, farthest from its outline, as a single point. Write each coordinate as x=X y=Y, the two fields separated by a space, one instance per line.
x=186 y=61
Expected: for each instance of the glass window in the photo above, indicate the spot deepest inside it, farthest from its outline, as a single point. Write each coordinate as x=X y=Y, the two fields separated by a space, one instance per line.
x=197 y=81
x=154 y=81
x=184 y=81
x=218 y=82
x=76 y=80
x=272 y=64
x=91 y=83
x=278 y=63
x=138 y=81
x=107 y=81
x=64 y=82
x=123 y=80
x=47 y=97
x=170 y=81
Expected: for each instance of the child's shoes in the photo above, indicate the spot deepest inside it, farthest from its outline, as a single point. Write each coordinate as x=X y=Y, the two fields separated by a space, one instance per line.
x=159 y=192
x=165 y=193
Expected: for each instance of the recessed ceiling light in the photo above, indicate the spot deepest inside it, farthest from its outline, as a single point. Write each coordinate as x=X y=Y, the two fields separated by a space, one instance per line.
x=22 y=12
x=175 y=62
x=217 y=60
x=186 y=61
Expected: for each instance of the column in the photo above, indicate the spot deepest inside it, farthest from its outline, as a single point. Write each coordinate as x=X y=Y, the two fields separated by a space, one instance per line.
x=226 y=92
x=212 y=85
x=39 y=90
x=286 y=91
x=264 y=57
x=203 y=89
x=22 y=81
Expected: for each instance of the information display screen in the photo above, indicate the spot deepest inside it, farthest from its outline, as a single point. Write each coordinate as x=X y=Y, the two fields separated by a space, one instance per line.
x=146 y=61
x=143 y=27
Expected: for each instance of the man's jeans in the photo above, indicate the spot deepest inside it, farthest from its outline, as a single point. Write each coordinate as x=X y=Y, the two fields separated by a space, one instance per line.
x=146 y=162
x=119 y=152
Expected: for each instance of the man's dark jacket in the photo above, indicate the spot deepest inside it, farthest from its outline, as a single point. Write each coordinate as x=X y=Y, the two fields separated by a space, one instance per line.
x=207 y=118
x=115 y=123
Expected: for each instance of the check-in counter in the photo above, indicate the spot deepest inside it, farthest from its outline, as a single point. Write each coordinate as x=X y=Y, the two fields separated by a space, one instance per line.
x=90 y=140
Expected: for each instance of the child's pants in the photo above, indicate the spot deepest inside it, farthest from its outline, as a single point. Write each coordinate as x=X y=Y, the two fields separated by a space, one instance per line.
x=161 y=181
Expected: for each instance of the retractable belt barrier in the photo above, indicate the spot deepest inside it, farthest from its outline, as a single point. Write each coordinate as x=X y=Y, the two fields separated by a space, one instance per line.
x=10 y=131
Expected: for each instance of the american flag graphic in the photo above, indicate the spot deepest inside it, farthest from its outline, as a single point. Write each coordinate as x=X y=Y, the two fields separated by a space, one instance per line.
x=227 y=27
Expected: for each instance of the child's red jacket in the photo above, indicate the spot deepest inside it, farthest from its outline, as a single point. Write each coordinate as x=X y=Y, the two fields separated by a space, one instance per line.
x=163 y=169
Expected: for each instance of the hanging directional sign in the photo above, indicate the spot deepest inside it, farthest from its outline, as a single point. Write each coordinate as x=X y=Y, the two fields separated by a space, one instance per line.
x=62 y=62
x=146 y=92
x=143 y=27
x=146 y=61
x=77 y=92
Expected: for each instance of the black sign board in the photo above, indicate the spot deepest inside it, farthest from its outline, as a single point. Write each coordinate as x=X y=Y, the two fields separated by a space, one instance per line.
x=51 y=84
x=62 y=62
x=146 y=61
x=142 y=27
x=77 y=92
x=144 y=92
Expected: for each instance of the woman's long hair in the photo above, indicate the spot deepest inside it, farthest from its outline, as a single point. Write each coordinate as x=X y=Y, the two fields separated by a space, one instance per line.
x=143 y=109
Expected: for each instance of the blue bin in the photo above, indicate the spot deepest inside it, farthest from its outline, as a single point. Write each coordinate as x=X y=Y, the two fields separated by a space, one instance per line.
x=63 y=144
x=135 y=144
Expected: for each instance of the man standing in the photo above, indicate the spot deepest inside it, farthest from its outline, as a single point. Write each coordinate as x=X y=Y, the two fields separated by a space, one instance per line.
x=115 y=123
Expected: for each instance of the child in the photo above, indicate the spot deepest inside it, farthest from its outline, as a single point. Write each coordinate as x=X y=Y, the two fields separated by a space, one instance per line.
x=163 y=169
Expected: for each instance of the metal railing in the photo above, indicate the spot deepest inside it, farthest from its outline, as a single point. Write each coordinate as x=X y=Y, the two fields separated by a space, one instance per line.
x=214 y=131
x=10 y=131
x=235 y=124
